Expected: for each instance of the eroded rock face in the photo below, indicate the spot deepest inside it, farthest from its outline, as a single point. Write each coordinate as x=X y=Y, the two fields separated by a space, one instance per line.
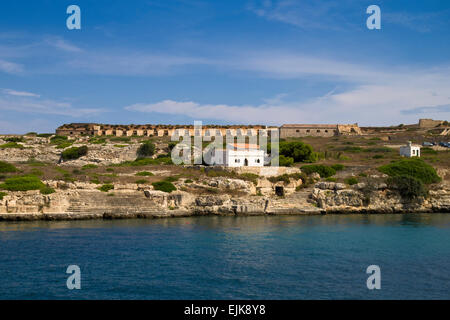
x=379 y=200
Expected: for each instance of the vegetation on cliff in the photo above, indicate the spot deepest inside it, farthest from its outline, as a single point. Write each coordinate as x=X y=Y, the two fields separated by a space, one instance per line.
x=164 y=186
x=6 y=167
x=74 y=153
x=297 y=151
x=106 y=187
x=323 y=170
x=415 y=168
x=25 y=183
x=146 y=149
x=408 y=187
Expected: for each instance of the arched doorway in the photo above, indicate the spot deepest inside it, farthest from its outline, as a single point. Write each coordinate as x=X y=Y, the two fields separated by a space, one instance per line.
x=246 y=162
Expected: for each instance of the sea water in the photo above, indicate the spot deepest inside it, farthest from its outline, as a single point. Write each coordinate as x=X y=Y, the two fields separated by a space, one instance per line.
x=261 y=257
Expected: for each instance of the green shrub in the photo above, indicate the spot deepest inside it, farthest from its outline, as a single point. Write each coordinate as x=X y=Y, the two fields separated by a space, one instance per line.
x=297 y=150
x=172 y=178
x=106 y=187
x=408 y=187
x=44 y=135
x=378 y=156
x=6 y=167
x=322 y=170
x=429 y=151
x=47 y=190
x=22 y=183
x=141 y=181
x=74 y=153
x=351 y=149
x=165 y=186
x=415 y=168
x=11 y=145
x=331 y=179
x=338 y=167
x=249 y=177
x=15 y=139
x=147 y=149
x=284 y=177
x=285 y=161
x=145 y=174
x=188 y=181
x=351 y=181
x=379 y=150
x=89 y=166
x=2 y=194
x=120 y=145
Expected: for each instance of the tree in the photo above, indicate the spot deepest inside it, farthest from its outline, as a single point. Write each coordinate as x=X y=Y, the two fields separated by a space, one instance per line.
x=147 y=149
x=299 y=151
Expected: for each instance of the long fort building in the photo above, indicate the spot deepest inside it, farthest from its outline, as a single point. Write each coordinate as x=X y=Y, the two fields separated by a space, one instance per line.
x=285 y=131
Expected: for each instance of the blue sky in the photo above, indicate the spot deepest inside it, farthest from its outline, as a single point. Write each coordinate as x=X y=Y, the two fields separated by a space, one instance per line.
x=246 y=62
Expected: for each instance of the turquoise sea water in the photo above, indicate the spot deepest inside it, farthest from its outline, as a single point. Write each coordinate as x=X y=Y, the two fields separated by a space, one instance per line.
x=301 y=257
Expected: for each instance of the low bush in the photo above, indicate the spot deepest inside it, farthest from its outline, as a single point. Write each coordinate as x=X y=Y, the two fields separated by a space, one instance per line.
x=164 y=186
x=74 y=153
x=144 y=174
x=322 y=170
x=44 y=135
x=22 y=183
x=6 y=167
x=89 y=166
x=47 y=190
x=106 y=187
x=338 y=167
x=408 y=187
x=351 y=181
x=14 y=139
x=2 y=194
x=249 y=177
x=11 y=145
x=415 y=168
x=285 y=161
x=141 y=181
x=284 y=177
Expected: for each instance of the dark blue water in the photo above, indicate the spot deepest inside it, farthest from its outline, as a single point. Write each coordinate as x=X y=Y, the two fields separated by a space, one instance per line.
x=311 y=257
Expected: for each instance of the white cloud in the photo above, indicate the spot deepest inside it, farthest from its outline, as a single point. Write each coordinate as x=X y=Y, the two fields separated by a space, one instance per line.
x=10 y=67
x=20 y=93
x=31 y=103
x=62 y=44
x=375 y=97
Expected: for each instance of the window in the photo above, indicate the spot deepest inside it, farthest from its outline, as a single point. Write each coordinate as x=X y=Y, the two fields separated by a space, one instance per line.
x=308 y=130
x=297 y=130
x=257 y=161
x=318 y=130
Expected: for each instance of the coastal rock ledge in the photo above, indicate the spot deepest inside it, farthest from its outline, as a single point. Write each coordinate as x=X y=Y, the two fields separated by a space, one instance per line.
x=87 y=202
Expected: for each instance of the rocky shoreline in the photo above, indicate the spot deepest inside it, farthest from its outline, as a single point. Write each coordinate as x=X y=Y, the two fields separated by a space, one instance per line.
x=322 y=198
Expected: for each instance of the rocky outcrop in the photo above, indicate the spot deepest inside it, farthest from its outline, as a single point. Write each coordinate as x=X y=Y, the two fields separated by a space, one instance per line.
x=335 y=198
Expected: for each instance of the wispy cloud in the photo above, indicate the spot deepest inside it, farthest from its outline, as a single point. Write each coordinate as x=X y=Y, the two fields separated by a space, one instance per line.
x=20 y=93
x=60 y=43
x=26 y=102
x=426 y=110
x=10 y=67
x=420 y=22
x=304 y=14
x=372 y=95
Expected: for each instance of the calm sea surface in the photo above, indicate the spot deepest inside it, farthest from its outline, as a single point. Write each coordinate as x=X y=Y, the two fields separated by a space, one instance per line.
x=302 y=257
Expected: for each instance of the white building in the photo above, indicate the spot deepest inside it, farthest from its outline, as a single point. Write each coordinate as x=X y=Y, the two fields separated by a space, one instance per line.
x=236 y=155
x=410 y=150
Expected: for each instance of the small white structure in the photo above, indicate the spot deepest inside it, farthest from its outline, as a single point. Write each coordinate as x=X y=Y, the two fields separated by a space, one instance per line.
x=236 y=155
x=410 y=150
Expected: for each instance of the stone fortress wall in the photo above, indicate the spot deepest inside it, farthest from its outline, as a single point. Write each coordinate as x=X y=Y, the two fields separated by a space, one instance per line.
x=285 y=131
